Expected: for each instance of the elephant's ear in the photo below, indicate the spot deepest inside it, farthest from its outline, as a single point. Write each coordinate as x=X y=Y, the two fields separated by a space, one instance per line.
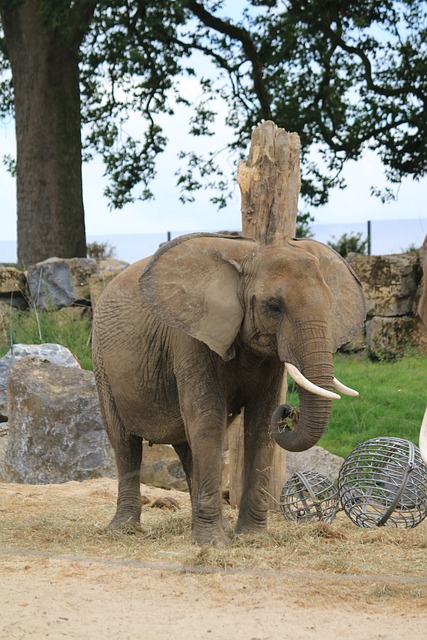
x=349 y=310
x=192 y=284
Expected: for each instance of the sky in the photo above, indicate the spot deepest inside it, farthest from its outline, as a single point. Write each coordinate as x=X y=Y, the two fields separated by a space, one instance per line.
x=166 y=213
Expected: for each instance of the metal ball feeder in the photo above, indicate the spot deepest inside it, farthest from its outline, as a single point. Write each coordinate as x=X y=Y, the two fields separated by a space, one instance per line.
x=383 y=482
x=309 y=495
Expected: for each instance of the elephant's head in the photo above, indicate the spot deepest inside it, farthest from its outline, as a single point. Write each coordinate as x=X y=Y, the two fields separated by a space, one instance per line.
x=299 y=301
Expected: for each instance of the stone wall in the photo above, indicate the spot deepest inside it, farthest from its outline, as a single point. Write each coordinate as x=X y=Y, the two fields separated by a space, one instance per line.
x=392 y=289
x=391 y=284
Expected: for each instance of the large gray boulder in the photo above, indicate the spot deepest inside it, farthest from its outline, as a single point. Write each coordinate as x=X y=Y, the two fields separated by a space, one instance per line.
x=60 y=282
x=314 y=459
x=55 y=428
x=51 y=352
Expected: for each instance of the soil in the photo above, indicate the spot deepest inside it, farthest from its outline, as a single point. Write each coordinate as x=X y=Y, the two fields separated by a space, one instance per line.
x=64 y=575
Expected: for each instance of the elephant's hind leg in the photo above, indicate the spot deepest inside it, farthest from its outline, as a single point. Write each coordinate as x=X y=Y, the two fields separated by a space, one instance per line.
x=128 y=451
x=127 y=448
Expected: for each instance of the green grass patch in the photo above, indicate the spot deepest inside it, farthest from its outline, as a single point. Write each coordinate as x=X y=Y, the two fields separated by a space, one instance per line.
x=391 y=403
x=59 y=327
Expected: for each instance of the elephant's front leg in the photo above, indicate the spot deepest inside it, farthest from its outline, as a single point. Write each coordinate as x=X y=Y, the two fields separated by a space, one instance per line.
x=258 y=456
x=207 y=519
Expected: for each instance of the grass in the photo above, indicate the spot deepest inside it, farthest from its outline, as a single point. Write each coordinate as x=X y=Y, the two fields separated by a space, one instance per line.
x=30 y=327
x=392 y=394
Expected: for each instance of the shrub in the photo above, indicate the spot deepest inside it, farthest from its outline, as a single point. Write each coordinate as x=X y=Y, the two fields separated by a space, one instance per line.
x=349 y=243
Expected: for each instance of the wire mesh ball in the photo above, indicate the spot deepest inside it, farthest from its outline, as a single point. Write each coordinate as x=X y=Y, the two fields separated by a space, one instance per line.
x=383 y=482
x=309 y=495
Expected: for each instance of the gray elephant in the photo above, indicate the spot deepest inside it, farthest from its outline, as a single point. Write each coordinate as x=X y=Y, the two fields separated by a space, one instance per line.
x=182 y=342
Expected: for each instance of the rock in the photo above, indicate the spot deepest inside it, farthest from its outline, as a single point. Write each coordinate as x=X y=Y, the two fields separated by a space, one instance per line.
x=389 y=282
x=105 y=272
x=13 y=287
x=314 y=459
x=55 y=430
x=388 y=338
x=52 y=352
x=6 y=318
x=162 y=468
x=59 y=282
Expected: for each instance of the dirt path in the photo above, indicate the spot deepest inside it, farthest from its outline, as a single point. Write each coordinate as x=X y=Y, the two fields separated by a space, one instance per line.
x=49 y=590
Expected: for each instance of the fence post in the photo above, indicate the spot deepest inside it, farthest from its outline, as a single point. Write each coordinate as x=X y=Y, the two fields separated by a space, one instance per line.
x=369 y=237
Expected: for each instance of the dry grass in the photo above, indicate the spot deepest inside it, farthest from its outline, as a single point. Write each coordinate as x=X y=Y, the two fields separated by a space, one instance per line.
x=72 y=519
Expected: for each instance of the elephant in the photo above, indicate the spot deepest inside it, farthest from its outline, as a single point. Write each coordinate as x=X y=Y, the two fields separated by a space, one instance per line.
x=185 y=340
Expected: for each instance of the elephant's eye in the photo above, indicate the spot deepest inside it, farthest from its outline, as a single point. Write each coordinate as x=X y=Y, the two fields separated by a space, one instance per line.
x=274 y=306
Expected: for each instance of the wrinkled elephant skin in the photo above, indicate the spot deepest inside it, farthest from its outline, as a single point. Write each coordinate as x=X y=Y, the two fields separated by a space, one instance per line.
x=184 y=341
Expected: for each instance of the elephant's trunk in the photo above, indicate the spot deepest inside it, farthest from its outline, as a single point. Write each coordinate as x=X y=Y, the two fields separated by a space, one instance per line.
x=299 y=430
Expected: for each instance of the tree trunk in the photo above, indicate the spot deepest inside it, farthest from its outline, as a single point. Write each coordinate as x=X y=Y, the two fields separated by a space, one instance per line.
x=45 y=75
x=269 y=184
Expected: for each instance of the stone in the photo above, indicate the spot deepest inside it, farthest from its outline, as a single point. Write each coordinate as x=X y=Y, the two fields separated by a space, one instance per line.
x=162 y=468
x=51 y=352
x=6 y=316
x=389 y=282
x=13 y=291
x=388 y=338
x=55 y=429
x=60 y=282
x=314 y=459
x=105 y=272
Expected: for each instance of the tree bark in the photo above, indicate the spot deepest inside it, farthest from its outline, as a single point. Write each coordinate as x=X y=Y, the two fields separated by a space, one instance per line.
x=269 y=184
x=45 y=71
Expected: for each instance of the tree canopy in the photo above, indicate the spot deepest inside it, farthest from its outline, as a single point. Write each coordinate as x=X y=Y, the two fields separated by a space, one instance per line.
x=346 y=76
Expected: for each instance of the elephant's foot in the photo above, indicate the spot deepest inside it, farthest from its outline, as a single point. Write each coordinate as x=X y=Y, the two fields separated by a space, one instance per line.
x=125 y=523
x=216 y=537
x=250 y=528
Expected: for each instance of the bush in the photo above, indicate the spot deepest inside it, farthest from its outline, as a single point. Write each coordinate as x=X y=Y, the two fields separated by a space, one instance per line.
x=100 y=250
x=349 y=243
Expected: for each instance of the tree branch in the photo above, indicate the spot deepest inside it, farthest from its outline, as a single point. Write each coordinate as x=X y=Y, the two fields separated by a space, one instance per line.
x=244 y=37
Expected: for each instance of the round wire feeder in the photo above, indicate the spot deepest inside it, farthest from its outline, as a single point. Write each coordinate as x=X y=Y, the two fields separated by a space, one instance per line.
x=383 y=482
x=309 y=495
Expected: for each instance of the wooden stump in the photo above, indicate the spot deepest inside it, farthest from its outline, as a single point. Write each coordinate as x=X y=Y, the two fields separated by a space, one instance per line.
x=269 y=184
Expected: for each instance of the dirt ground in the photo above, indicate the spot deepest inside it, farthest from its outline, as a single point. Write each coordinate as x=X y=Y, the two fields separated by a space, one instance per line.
x=64 y=575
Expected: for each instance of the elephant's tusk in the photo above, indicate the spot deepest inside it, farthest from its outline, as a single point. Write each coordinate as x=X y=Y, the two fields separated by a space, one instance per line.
x=423 y=437
x=300 y=380
x=347 y=391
